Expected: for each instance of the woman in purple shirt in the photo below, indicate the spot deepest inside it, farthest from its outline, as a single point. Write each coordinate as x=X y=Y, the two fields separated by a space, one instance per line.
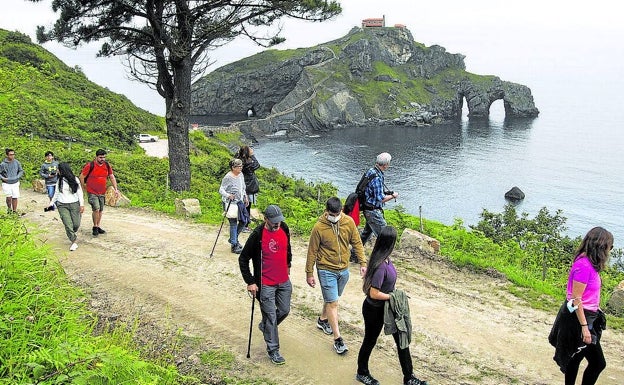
x=379 y=281
x=584 y=291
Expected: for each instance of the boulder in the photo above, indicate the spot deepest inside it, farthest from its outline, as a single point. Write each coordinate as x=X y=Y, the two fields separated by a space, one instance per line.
x=412 y=239
x=514 y=195
x=115 y=200
x=615 y=305
x=188 y=207
x=39 y=186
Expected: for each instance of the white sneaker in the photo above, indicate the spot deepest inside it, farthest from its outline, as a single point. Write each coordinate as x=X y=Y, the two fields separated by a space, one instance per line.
x=73 y=246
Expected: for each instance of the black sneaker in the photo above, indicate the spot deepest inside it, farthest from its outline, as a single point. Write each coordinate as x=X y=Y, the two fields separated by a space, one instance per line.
x=366 y=379
x=324 y=326
x=95 y=231
x=340 y=346
x=277 y=358
x=236 y=249
x=101 y=230
x=414 y=381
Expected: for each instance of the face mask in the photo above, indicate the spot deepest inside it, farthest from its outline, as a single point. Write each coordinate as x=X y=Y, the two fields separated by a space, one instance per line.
x=334 y=219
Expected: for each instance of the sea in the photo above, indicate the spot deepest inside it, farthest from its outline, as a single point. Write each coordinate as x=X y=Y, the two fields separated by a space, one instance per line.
x=569 y=158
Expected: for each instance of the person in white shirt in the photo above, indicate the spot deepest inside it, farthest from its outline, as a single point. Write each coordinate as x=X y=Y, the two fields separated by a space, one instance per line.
x=69 y=202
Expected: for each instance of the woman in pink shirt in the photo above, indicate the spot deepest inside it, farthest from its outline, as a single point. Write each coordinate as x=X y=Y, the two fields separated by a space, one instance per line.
x=585 y=319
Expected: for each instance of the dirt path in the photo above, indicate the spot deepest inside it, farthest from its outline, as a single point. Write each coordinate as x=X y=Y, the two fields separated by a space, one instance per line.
x=467 y=328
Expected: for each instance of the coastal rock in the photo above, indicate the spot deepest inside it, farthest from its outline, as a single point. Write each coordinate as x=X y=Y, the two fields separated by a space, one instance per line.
x=370 y=75
x=515 y=194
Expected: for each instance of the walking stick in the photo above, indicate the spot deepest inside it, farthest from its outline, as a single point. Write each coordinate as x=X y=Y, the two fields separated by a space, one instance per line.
x=219 y=232
x=253 y=302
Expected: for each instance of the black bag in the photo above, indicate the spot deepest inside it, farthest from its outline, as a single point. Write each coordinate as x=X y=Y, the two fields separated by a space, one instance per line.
x=360 y=189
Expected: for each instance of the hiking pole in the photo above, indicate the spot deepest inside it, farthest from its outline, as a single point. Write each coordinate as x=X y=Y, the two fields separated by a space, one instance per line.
x=219 y=232
x=253 y=302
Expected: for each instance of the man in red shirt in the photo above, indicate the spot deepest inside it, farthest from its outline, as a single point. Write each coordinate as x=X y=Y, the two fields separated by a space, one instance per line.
x=268 y=248
x=93 y=178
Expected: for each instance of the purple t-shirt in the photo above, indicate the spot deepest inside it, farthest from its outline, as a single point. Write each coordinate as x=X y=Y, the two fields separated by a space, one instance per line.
x=582 y=271
x=383 y=279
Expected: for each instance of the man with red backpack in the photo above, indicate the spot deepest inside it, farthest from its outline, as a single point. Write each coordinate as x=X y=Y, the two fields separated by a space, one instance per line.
x=93 y=178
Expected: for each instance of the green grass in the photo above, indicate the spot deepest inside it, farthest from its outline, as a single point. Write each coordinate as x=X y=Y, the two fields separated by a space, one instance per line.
x=46 y=328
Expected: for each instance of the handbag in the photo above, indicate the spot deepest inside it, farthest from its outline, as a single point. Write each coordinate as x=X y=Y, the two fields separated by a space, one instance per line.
x=232 y=211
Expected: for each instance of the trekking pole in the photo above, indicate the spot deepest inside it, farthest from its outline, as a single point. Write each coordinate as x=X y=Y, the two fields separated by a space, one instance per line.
x=253 y=302
x=219 y=232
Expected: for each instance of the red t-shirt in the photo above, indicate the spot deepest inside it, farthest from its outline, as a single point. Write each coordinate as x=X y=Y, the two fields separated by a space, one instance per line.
x=96 y=182
x=274 y=257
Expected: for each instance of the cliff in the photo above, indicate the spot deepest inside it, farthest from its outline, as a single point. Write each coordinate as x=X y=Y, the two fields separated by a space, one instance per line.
x=367 y=76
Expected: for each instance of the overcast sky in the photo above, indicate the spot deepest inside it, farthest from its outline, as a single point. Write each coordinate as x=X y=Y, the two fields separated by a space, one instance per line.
x=521 y=42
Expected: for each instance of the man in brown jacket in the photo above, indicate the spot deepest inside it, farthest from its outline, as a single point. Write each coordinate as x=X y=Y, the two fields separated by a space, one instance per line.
x=328 y=248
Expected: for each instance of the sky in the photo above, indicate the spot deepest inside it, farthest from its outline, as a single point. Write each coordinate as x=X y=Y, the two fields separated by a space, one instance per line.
x=518 y=41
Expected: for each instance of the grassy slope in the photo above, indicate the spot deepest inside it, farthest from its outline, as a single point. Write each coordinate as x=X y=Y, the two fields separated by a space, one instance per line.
x=43 y=97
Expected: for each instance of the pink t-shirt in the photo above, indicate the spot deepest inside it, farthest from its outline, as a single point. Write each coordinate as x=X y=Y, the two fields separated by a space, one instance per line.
x=582 y=271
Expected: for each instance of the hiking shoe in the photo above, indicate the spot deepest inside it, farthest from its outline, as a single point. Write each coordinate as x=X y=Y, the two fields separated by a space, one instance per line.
x=95 y=232
x=414 y=381
x=236 y=249
x=276 y=358
x=366 y=379
x=340 y=346
x=73 y=246
x=101 y=230
x=324 y=326
x=246 y=230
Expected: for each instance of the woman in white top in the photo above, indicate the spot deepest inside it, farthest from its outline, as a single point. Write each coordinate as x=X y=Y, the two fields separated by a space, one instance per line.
x=232 y=191
x=69 y=202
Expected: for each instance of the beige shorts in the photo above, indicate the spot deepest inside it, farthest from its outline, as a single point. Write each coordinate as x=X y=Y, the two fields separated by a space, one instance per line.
x=11 y=190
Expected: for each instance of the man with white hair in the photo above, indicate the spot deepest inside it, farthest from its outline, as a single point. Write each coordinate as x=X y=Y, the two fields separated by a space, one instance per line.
x=376 y=196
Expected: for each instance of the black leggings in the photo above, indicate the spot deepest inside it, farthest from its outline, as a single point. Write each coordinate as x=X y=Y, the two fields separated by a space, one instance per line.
x=595 y=364
x=373 y=323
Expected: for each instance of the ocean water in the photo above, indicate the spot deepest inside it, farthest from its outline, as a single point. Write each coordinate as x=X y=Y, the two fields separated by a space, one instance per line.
x=569 y=158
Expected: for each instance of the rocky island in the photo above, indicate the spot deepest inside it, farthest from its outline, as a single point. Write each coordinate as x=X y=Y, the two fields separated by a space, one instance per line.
x=371 y=75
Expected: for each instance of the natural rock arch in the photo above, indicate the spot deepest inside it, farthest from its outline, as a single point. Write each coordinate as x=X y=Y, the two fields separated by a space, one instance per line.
x=517 y=99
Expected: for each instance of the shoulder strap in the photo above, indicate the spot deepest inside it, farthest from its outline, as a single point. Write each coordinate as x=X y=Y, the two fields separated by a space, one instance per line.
x=91 y=166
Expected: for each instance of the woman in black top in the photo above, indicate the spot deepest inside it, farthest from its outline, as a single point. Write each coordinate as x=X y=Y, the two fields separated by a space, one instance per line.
x=250 y=165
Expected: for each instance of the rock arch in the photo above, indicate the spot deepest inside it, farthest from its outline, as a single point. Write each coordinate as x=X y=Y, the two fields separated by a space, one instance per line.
x=517 y=98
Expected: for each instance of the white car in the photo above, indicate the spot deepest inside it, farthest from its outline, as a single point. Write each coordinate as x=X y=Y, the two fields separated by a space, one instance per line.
x=147 y=138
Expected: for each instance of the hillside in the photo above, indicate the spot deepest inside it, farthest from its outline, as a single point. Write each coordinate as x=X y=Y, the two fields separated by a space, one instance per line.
x=155 y=273
x=369 y=75
x=42 y=97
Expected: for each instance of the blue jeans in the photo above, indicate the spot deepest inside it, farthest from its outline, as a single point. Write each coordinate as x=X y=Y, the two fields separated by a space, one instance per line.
x=332 y=284
x=236 y=228
x=50 y=189
x=275 y=306
x=375 y=221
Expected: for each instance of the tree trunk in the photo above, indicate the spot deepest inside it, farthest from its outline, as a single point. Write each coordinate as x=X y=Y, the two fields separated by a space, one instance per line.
x=177 y=118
